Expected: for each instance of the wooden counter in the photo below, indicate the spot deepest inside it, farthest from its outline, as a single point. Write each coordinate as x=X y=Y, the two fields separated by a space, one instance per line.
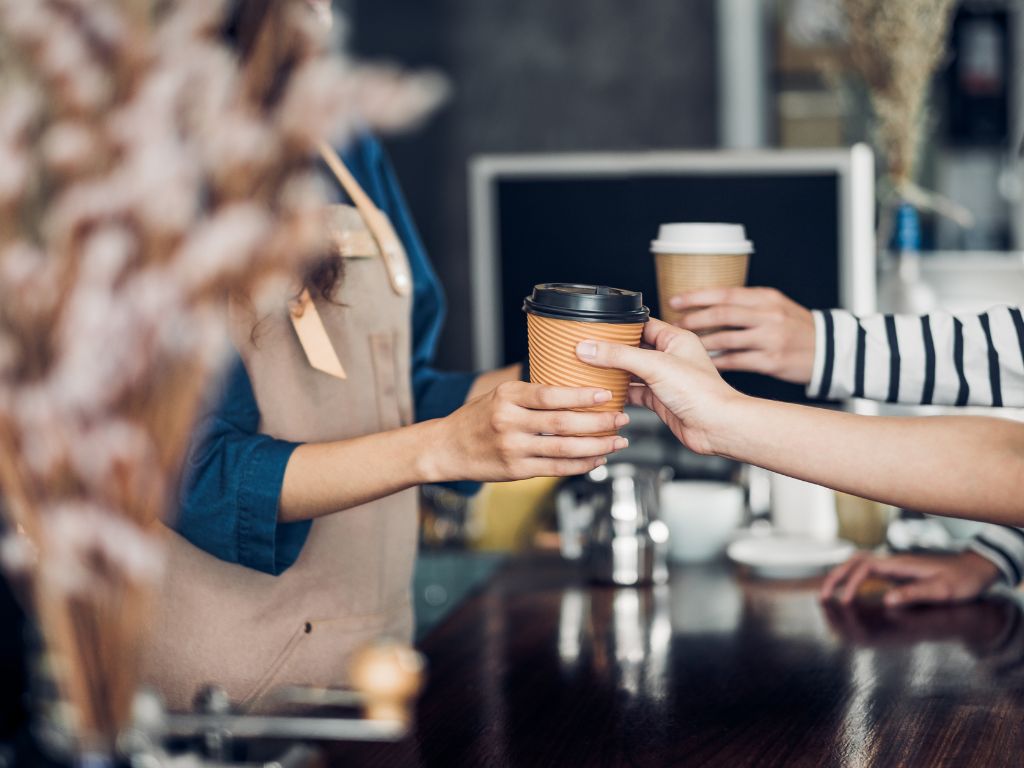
x=541 y=669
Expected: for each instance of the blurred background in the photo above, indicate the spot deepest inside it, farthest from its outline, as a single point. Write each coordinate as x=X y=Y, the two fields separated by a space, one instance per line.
x=598 y=75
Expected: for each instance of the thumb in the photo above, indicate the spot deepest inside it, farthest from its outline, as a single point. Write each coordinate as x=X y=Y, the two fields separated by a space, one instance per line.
x=643 y=363
x=925 y=591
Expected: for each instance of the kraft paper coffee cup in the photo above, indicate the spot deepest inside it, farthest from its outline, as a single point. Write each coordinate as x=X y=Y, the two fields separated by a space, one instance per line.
x=691 y=256
x=560 y=315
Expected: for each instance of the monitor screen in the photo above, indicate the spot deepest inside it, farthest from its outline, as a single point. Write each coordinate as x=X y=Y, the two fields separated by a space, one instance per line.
x=598 y=228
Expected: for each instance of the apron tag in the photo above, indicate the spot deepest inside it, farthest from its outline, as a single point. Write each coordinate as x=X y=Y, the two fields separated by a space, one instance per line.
x=309 y=327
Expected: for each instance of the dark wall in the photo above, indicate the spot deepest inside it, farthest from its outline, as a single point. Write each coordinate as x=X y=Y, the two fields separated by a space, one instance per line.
x=536 y=75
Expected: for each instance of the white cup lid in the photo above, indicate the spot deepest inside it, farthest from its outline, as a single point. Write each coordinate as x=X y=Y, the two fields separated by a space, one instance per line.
x=702 y=238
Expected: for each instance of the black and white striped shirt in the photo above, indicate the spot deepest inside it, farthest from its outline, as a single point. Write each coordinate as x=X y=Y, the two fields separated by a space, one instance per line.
x=934 y=359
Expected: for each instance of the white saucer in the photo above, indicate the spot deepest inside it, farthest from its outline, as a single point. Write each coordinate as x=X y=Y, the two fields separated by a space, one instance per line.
x=789 y=557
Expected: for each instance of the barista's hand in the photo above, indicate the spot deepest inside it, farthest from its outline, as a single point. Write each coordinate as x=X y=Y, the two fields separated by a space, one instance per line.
x=921 y=578
x=763 y=330
x=520 y=430
x=677 y=380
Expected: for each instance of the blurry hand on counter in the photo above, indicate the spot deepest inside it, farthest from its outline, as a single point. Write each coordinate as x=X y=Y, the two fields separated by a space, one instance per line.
x=753 y=329
x=918 y=579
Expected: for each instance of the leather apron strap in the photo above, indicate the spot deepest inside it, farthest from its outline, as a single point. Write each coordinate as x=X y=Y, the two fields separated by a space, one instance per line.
x=380 y=226
x=305 y=317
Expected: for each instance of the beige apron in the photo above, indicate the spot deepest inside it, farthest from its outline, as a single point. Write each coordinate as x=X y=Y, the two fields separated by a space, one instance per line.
x=248 y=631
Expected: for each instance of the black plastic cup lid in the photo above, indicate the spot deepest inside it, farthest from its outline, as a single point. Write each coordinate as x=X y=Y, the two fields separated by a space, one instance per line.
x=587 y=303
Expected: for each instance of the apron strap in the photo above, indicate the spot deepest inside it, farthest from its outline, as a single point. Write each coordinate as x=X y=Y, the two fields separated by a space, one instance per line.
x=395 y=260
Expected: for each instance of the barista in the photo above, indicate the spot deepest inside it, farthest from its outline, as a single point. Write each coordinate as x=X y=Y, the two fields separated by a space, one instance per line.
x=298 y=527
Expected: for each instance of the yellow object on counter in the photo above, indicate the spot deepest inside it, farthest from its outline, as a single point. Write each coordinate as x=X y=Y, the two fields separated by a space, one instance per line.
x=863 y=522
x=505 y=516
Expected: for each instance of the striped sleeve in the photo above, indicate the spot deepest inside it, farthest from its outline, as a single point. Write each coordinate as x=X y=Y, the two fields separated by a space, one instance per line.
x=1003 y=547
x=935 y=359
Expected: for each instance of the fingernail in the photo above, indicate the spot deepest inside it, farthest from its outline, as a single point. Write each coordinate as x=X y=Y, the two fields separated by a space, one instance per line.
x=601 y=461
x=621 y=420
x=676 y=302
x=587 y=350
x=603 y=396
x=620 y=443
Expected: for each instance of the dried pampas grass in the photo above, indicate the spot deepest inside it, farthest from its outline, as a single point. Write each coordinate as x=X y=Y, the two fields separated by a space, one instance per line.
x=146 y=171
x=896 y=46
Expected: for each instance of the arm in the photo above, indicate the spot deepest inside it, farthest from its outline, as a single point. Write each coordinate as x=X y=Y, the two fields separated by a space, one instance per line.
x=515 y=431
x=247 y=498
x=231 y=482
x=964 y=466
x=937 y=359
x=944 y=465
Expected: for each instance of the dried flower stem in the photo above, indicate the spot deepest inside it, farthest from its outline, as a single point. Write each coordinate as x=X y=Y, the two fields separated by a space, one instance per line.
x=896 y=47
x=147 y=171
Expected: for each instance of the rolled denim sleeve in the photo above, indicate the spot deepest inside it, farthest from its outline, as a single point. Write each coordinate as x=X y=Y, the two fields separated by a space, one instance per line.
x=438 y=393
x=232 y=485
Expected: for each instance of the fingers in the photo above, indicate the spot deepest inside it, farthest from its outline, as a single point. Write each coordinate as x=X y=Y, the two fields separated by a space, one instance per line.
x=857 y=576
x=552 y=447
x=571 y=422
x=838 y=575
x=640 y=362
x=548 y=398
x=723 y=315
x=934 y=590
x=709 y=297
x=844 y=582
x=730 y=341
x=749 y=360
x=658 y=334
x=561 y=467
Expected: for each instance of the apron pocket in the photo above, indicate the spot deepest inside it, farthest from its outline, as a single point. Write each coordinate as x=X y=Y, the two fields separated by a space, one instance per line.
x=318 y=653
x=274 y=670
x=394 y=404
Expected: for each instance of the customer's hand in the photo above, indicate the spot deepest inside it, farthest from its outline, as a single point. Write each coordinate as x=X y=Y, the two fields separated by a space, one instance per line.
x=676 y=380
x=754 y=329
x=920 y=578
x=520 y=430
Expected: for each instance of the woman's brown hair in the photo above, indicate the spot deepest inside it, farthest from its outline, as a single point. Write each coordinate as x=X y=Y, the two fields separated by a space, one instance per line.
x=254 y=29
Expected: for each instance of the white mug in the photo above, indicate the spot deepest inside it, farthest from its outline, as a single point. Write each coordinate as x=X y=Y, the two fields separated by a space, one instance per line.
x=803 y=509
x=701 y=518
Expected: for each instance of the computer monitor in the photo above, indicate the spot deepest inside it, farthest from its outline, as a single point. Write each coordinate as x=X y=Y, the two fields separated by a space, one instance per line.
x=589 y=218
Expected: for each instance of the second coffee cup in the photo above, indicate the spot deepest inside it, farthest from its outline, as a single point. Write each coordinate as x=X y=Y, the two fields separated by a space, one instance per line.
x=561 y=315
x=690 y=256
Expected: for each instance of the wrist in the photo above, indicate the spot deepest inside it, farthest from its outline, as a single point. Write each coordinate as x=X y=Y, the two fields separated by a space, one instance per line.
x=988 y=573
x=431 y=462
x=728 y=431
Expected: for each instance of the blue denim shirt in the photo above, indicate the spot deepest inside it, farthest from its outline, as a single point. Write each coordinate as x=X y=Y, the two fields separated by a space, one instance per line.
x=233 y=474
